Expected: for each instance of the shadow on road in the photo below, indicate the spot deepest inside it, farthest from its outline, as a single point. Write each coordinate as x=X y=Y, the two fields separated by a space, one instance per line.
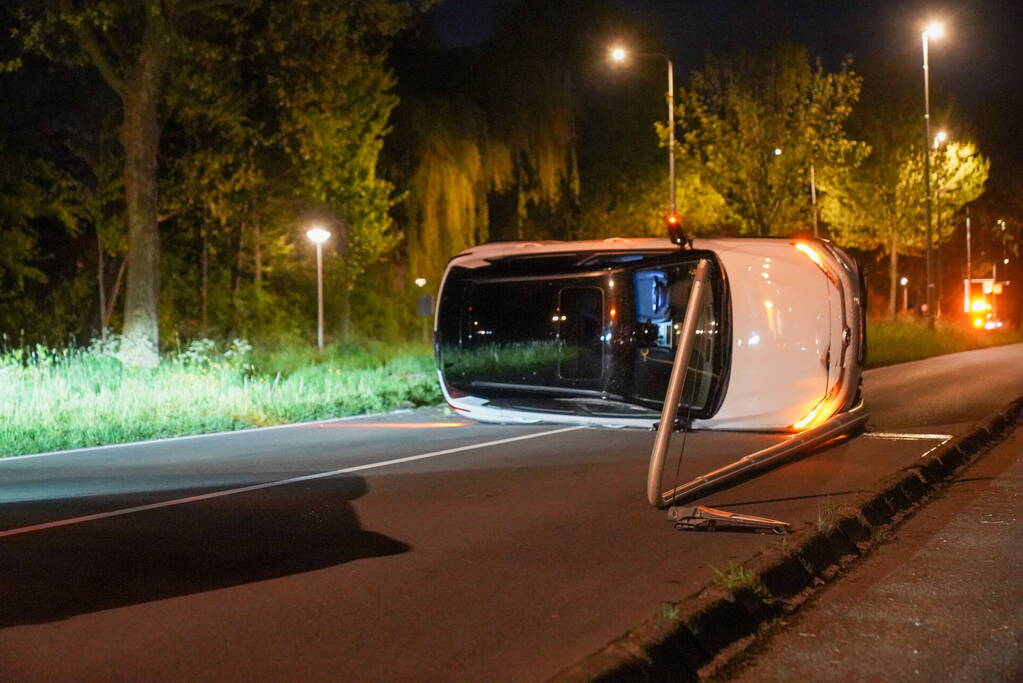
x=180 y=550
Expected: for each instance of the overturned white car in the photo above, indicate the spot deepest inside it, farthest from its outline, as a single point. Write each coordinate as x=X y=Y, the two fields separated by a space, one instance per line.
x=585 y=332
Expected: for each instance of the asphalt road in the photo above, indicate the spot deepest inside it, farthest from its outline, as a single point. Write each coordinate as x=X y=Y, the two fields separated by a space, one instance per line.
x=417 y=546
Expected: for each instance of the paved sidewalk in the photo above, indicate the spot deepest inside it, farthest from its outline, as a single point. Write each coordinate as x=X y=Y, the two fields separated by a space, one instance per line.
x=943 y=601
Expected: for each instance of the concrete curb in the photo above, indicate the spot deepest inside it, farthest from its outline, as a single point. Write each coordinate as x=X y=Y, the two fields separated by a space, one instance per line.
x=690 y=639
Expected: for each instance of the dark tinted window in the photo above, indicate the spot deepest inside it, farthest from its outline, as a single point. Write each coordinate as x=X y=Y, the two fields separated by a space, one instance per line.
x=534 y=333
x=661 y=296
x=581 y=330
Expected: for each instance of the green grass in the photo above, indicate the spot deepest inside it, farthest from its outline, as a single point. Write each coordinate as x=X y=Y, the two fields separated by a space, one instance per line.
x=898 y=341
x=53 y=400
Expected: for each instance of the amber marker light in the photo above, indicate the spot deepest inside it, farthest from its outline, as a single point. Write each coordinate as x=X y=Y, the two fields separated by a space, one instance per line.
x=811 y=254
x=811 y=417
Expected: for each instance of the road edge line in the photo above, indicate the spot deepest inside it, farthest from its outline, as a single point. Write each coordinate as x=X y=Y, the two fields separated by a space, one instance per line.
x=690 y=640
x=272 y=484
x=229 y=432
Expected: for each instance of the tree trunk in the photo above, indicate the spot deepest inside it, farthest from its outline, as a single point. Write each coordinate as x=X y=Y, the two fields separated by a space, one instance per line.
x=204 y=282
x=239 y=265
x=116 y=291
x=893 y=279
x=140 y=137
x=104 y=321
x=257 y=257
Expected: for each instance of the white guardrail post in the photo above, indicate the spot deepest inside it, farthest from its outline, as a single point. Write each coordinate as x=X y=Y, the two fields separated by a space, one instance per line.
x=676 y=383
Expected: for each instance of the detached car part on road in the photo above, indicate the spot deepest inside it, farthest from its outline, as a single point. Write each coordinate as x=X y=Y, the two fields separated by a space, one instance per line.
x=586 y=332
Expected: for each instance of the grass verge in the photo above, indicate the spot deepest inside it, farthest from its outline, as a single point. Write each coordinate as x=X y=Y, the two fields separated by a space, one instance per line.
x=899 y=341
x=54 y=400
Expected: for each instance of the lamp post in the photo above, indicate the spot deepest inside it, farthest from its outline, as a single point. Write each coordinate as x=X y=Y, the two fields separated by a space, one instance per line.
x=935 y=30
x=318 y=236
x=813 y=198
x=424 y=306
x=969 y=265
x=618 y=54
x=905 y=293
x=939 y=140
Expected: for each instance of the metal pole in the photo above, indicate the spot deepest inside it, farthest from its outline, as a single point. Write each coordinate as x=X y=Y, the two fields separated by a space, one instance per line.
x=994 y=294
x=969 y=264
x=671 y=135
x=905 y=298
x=937 y=247
x=676 y=383
x=813 y=198
x=319 y=296
x=927 y=182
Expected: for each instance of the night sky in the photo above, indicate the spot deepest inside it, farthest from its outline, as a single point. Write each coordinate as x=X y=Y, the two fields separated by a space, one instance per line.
x=977 y=63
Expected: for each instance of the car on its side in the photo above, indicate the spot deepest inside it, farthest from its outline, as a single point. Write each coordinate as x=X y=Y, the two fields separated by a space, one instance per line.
x=585 y=332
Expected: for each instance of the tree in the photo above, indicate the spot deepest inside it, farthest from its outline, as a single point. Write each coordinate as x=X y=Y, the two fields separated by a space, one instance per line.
x=132 y=46
x=486 y=139
x=306 y=78
x=329 y=82
x=751 y=126
x=880 y=204
x=22 y=198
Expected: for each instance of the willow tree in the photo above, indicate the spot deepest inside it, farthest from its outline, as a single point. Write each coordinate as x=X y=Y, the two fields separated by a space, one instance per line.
x=506 y=137
x=752 y=125
x=456 y=166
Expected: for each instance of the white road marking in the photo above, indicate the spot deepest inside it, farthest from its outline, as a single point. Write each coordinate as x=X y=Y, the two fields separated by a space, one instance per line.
x=271 y=484
x=906 y=436
x=189 y=437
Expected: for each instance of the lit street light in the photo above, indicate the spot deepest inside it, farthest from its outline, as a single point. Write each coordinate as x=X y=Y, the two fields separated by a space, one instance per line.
x=905 y=293
x=619 y=55
x=939 y=140
x=933 y=30
x=318 y=236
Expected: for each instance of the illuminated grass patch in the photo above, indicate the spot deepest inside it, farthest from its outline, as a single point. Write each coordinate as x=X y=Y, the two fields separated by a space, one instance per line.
x=54 y=400
x=890 y=342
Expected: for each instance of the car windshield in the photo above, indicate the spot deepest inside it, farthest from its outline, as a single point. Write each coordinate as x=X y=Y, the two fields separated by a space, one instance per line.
x=589 y=342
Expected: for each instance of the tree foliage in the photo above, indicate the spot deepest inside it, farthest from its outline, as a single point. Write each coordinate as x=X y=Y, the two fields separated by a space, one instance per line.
x=265 y=105
x=751 y=126
x=880 y=204
x=481 y=156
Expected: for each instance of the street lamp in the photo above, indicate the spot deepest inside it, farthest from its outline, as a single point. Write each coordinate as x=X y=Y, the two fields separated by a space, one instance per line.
x=905 y=293
x=933 y=30
x=618 y=54
x=939 y=140
x=318 y=236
